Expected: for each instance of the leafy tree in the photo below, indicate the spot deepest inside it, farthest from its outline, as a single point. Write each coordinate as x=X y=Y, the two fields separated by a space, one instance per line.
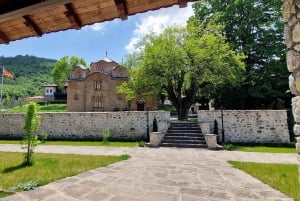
x=62 y=69
x=31 y=127
x=181 y=62
x=254 y=28
x=7 y=101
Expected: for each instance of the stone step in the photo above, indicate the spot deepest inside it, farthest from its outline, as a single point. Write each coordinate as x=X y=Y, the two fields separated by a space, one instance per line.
x=184 y=128
x=184 y=131
x=189 y=141
x=183 y=134
x=179 y=145
x=184 y=124
x=184 y=137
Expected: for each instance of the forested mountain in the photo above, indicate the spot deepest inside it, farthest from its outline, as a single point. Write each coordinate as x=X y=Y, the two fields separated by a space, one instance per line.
x=30 y=72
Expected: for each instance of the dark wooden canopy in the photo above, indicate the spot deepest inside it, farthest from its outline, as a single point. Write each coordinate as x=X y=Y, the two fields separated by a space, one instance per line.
x=27 y=18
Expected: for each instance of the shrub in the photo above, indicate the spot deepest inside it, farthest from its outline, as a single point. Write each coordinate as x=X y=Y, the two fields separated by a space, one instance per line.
x=155 y=128
x=216 y=129
x=141 y=143
x=105 y=136
x=26 y=186
x=229 y=147
x=44 y=137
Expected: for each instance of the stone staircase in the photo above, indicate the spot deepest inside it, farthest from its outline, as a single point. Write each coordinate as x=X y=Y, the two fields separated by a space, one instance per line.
x=183 y=134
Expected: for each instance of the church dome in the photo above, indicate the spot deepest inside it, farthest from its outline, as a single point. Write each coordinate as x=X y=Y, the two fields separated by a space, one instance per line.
x=107 y=59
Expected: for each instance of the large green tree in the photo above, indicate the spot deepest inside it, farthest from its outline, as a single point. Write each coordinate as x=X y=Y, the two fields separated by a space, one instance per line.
x=181 y=62
x=63 y=67
x=255 y=28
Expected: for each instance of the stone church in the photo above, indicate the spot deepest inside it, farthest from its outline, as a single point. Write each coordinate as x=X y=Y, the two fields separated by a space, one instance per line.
x=94 y=89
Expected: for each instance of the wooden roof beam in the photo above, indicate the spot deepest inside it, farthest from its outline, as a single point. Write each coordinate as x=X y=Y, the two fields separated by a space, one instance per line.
x=4 y=38
x=35 y=8
x=182 y=3
x=122 y=9
x=72 y=16
x=32 y=25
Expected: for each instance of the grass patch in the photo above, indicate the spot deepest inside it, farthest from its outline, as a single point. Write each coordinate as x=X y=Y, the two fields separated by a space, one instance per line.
x=41 y=108
x=4 y=194
x=266 y=149
x=283 y=177
x=47 y=168
x=260 y=148
x=79 y=143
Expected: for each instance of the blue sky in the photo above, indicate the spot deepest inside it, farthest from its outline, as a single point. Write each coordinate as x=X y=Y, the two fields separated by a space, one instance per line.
x=91 y=42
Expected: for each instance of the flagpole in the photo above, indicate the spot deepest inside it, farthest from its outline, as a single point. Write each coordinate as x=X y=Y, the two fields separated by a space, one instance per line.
x=1 y=86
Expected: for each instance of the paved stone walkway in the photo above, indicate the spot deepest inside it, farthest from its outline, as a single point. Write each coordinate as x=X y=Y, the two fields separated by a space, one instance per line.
x=159 y=174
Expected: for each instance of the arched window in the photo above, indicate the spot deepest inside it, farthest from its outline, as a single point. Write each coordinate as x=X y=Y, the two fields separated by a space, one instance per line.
x=140 y=104
x=98 y=85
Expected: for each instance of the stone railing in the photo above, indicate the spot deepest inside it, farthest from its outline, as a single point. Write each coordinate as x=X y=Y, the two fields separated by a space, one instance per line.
x=87 y=125
x=291 y=13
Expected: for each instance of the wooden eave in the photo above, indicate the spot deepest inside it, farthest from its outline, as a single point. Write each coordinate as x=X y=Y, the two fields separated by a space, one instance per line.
x=22 y=19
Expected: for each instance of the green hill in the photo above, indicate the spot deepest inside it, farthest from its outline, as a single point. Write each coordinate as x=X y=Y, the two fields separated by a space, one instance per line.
x=30 y=72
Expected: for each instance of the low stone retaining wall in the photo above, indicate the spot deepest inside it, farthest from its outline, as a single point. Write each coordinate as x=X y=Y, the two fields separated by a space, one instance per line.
x=258 y=126
x=87 y=125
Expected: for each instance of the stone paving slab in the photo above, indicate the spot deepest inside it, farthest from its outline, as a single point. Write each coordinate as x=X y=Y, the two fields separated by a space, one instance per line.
x=159 y=174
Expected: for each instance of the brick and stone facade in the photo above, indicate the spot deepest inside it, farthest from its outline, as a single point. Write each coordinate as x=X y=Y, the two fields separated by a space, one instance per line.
x=128 y=125
x=259 y=126
x=94 y=89
x=291 y=16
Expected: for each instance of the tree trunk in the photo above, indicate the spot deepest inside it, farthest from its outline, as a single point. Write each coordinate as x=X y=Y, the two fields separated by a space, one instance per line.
x=182 y=104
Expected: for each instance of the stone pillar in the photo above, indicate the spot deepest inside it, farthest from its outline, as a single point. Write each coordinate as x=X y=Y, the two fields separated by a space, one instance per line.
x=155 y=139
x=205 y=127
x=211 y=141
x=291 y=16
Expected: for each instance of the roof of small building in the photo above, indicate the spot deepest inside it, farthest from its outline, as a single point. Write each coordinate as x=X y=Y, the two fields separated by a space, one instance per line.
x=53 y=85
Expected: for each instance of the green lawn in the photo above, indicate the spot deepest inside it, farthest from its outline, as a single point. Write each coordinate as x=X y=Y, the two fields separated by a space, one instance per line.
x=78 y=143
x=284 y=177
x=47 y=167
x=268 y=149
x=42 y=108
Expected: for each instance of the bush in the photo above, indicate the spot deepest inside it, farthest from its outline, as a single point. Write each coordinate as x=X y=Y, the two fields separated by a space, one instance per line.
x=105 y=136
x=44 y=137
x=141 y=143
x=229 y=147
x=155 y=128
x=216 y=129
x=26 y=186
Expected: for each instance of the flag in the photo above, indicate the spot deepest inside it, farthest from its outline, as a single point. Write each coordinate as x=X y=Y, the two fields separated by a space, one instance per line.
x=7 y=74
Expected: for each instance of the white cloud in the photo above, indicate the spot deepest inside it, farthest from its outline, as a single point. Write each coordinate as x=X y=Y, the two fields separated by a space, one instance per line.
x=97 y=26
x=157 y=21
x=101 y=26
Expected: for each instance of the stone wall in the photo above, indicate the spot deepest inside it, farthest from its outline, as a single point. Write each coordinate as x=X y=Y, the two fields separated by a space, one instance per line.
x=86 y=125
x=259 y=126
x=291 y=13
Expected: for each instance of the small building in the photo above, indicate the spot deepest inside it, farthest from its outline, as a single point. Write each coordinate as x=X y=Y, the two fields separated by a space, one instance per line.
x=94 y=89
x=53 y=94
